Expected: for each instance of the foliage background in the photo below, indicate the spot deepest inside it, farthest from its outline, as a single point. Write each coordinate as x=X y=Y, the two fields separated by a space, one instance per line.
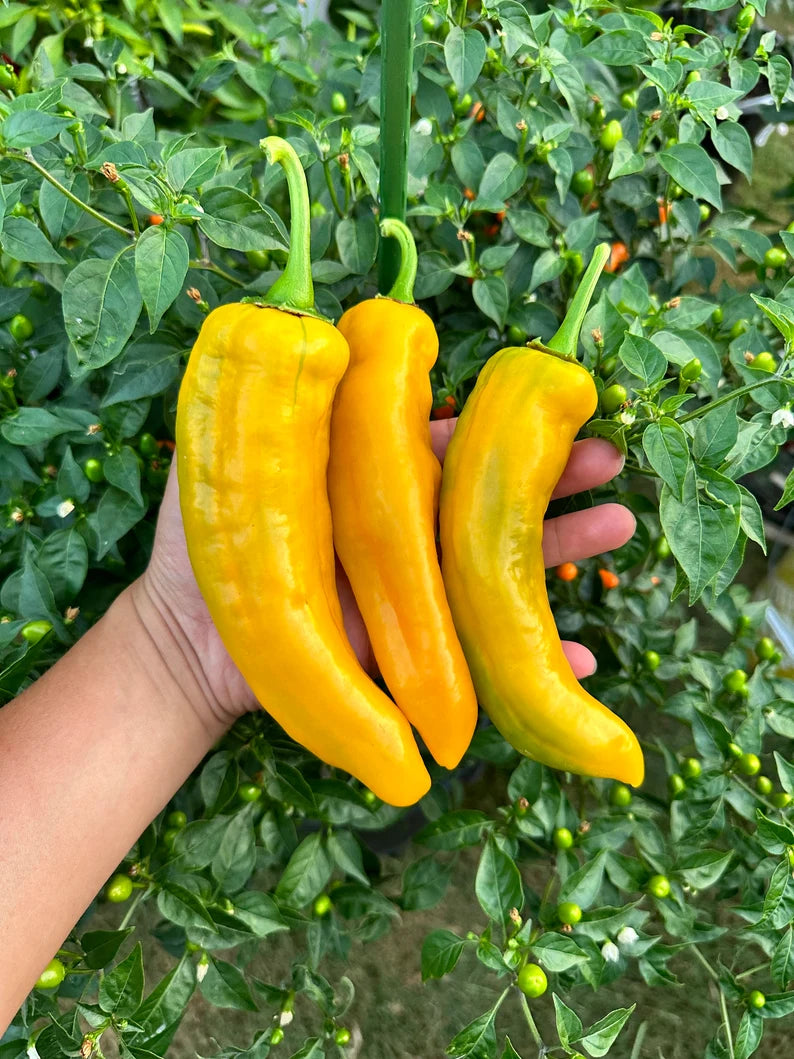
x=172 y=98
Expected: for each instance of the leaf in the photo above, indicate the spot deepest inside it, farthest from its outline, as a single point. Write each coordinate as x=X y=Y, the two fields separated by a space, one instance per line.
x=31 y=128
x=503 y=176
x=307 y=872
x=778 y=74
x=732 y=142
x=59 y=214
x=235 y=859
x=101 y=946
x=121 y=991
x=599 y=1038
x=557 y=952
x=453 y=830
x=498 y=883
x=440 y=952
x=464 y=53
x=492 y=298
x=24 y=241
x=191 y=167
x=122 y=470
x=235 y=220
x=115 y=515
x=357 y=240
x=101 y=305
x=183 y=907
x=477 y=1040
x=642 y=358
x=569 y=1025
x=748 y=1036
x=667 y=448
x=166 y=1004
x=700 y=534
x=704 y=868
x=715 y=434
x=690 y=166
x=782 y=965
x=34 y=426
x=225 y=987
x=259 y=913
x=161 y=264
x=617 y=47
x=63 y=560
x=788 y=492
x=782 y=316
x=424 y=883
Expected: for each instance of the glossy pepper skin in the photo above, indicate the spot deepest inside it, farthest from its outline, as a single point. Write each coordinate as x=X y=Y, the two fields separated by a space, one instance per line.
x=509 y=449
x=383 y=482
x=253 y=424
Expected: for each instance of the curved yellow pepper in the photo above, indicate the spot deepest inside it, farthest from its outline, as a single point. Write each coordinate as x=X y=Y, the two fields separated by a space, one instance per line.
x=383 y=481
x=509 y=449
x=253 y=425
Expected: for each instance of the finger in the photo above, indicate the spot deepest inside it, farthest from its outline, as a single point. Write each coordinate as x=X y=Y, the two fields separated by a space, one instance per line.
x=581 y=660
x=592 y=462
x=582 y=534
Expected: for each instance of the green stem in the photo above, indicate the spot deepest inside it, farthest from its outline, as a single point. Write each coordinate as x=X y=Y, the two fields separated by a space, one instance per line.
x=709 y=969
x=27 y=156
x=131 y=910
x=210 y=266
x=397 y=25
x=726 y=1022
x=131 y=208
x=752 y=971
x=293 y=290
x=566 y=339
x=533 y=1029
x=732 y=397
x=329 y=180
x=403 y=288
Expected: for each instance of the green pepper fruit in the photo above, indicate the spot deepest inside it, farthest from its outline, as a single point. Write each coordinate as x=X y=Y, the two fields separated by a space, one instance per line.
x=764 y=362
x=516 y=335
x=582 y=182
x=676 y=784
x=277 y=1036
x=691 y=768
x=532 y=980
x=738 y=328
x=749 y=764
x=119 y=889
x=776 y=256
x=692 y=370
x=735 y=681
x=659 y=886
x=338 y=103
x=628 y=100
x=692 y=76
x=662 y=549
x=258 y=259
x=763 y=785
x=148 y=446
x=563 y=839
x=21 y=327
x=249 y=792
x=35 y=631
x=176 y=819
x=745 y=19
x=611 y=135
x=613 y=397
x=756 y=999
x=93 y=470
x=52 y=975
x=705 y=212
x=780 y=799
x=620 y=795
x=651 y=660
x=342 y=1036
x=765 y=648
x=569 y=913
x=734 y=750
x=322 y=905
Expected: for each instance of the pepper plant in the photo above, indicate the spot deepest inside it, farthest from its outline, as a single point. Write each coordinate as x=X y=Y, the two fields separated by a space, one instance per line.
x=133 y=199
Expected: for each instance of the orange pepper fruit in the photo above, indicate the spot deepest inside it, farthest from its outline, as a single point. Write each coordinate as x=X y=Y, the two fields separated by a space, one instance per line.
x=567 y=571
x=619 y=256
x=609 y=579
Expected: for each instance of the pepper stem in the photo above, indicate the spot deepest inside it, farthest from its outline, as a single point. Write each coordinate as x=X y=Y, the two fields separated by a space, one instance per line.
x=566 y=339
x=293 y=290
x=403 y=288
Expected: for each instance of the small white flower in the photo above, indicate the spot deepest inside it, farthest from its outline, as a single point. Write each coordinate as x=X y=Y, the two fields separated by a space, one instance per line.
x=627 y=936
x=121 y=68
x=783 y=416
x=423 y=127
x=610 y=952
x=722 y=114
x=203 y=967
x=65 y=508
x=627 y=418
x=285 y=1018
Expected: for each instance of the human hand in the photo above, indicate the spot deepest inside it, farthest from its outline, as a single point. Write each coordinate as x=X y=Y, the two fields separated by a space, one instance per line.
x=169 y=588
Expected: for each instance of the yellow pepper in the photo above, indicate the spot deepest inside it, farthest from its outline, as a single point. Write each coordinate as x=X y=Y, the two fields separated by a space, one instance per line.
x=253 y=426
x=383 y=481
x=509 y=449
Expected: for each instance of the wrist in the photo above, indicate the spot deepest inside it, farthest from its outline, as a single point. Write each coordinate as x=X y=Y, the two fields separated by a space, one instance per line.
x=161 y=642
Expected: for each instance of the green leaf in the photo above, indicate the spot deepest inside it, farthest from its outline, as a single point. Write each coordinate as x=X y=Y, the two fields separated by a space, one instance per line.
x=715 y=435
x=583 y=885
x=599 y=1038
x=234 y=862
x=357 y=241
x=618 y=47
x=778 y=74
x=557 y=952
x=690 y=166
x=782 y=316
x=166 y=1004
x=101 y=305
x=477 y=1040
x=225 y=987
x=704 y=868
x=31 y=128
x=161 y=264
x=122 y=470
x=492 y=298
x=63 y=560
x=502 y=178
x=424 y=883
x=642 y=358
x=121 y=991
x=569 y=1025
x=116 y=514
x=100 y=946
x=785 y=771
x=667 y=448
x=24 y=241
x=59 y=214
x=187 y=169
x=235 y=220
x=732 y=142
x=183 y=907
x=307 y=872
x=464 y=53
x=259 y=912
x=453 y=830
x=440 y=952
x=34 y=426
x=346 y=852
x=782 y=965
x=498 y=883
x=748 y=1036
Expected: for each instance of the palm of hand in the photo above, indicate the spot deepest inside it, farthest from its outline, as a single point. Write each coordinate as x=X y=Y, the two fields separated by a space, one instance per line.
x=170 y=583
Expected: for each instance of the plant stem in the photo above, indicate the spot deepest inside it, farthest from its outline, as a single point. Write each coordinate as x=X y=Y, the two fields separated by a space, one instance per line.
x=732 y=397
x=329 y=180
x=753 y=970
x=133 y=905
x=566 y=339
x=27 y=156
x=210 y=266
x=726 y=1022
x=397 y=27
x=293 y=290
x=131 y=208
x=635 y=1050
x=403 y=288
x=712 y=973
x=533 y=1029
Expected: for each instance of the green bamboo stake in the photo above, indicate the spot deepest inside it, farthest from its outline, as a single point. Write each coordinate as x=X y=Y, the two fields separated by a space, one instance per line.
x=397 y=32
